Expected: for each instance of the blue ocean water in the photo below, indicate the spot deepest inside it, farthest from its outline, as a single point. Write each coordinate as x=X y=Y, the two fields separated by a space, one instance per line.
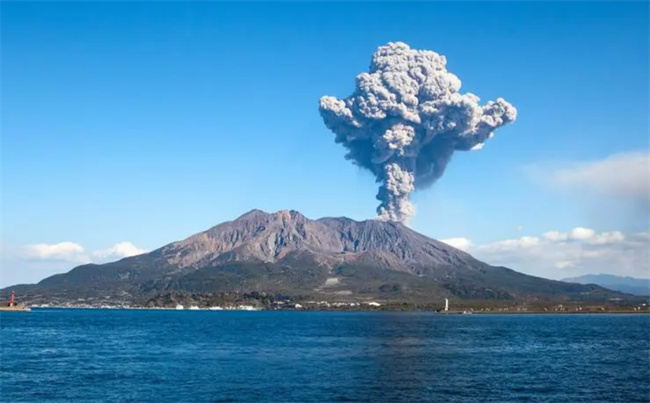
x=53 y=355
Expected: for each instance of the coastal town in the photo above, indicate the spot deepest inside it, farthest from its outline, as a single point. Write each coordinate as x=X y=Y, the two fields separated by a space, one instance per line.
x=278 y=305
x=310 y=305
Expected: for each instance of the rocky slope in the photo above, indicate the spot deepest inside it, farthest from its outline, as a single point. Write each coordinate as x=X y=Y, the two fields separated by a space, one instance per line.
x=271 y=237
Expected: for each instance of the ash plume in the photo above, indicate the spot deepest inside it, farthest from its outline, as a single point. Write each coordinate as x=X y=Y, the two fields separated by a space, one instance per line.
x=404 y=121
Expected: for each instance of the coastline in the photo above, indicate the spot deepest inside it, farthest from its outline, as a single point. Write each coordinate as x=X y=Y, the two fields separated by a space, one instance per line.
x=387 y=310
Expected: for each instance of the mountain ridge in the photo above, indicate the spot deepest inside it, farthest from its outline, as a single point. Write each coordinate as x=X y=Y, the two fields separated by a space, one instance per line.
x=330 y=257
x=626 y=284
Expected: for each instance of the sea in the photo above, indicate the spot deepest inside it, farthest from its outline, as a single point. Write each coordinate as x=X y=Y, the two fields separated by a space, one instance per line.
x=76 y=355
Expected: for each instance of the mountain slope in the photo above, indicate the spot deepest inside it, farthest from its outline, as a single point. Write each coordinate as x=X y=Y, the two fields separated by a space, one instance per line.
x=287 y=253
x=630 y=285
x=270 y=237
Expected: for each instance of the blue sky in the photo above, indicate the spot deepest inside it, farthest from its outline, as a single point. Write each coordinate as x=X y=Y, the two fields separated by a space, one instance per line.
x=147 y=122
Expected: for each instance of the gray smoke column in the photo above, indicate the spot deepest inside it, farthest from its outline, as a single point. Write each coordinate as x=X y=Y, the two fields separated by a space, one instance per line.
x=404 y=121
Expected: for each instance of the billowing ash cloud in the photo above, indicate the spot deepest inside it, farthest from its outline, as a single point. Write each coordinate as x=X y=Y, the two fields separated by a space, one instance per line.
x=404 y=121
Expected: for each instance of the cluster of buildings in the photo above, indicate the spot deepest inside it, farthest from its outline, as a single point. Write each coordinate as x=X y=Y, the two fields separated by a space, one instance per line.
x=323 y=305
x=220 y=308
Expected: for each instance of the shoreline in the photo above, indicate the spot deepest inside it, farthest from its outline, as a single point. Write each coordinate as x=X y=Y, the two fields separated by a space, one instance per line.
x=444 y=313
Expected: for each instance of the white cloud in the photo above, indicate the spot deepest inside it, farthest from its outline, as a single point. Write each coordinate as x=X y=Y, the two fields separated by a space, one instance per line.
x=585 y=234
x=458 y=243
x=512 y=244
x=67 y=251
x=555 y=236
x=579 y=251
x=625 y=175
x=581 y=233
x=75 y=253
x=563 y=264
x=32 y=263
x=118 y=251
x=608 y=238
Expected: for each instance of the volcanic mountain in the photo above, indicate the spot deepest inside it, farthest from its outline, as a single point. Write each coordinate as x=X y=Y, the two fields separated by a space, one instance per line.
x=289 y=254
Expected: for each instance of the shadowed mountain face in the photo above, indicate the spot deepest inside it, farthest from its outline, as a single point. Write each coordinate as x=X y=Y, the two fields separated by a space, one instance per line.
x=287 y=253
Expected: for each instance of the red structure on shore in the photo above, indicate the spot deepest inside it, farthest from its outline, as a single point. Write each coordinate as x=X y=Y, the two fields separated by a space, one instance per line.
x=13 y=306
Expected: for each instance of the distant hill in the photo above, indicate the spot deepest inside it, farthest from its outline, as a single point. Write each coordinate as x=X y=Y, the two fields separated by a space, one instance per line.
x=630 y=285
x=287 y=253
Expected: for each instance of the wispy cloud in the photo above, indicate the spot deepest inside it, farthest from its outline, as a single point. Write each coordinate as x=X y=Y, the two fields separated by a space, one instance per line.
x=623 y=175
x=620 y=176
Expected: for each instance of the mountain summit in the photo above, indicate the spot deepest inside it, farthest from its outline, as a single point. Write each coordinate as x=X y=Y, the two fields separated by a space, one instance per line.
x=288 y=253
x=260 y=236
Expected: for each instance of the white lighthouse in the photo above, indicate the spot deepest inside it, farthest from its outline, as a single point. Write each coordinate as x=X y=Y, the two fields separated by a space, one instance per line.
x=446 y=304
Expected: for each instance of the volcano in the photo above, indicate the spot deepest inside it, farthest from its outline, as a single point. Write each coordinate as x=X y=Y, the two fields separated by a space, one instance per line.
x=328 y=258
